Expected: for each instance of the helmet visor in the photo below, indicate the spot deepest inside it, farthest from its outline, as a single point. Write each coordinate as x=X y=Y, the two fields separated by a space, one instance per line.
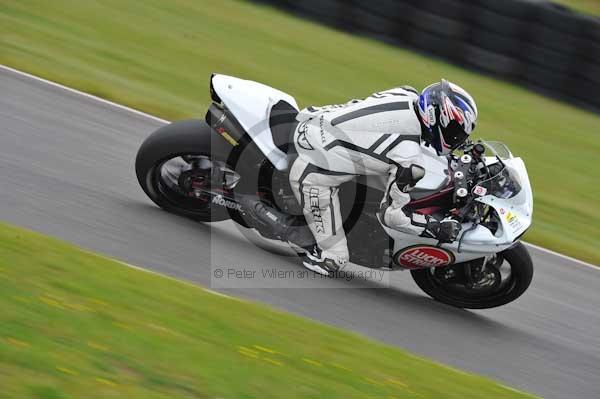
x=454 y=135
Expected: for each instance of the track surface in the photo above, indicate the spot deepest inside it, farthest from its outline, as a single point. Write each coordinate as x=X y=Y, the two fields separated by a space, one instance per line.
x=66 y=169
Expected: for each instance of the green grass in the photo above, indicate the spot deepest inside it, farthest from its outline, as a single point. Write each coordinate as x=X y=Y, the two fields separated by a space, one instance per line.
x=78 y=325
x=157 y=56
x=585 y=6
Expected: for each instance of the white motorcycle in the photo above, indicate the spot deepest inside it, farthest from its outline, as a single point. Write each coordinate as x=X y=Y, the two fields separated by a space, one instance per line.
x=235 y=163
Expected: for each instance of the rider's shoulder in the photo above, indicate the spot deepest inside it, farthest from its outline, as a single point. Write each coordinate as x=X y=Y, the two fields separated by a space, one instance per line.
x=407 y=92
x=409 y=149
x=314 y=110
x=310 y=112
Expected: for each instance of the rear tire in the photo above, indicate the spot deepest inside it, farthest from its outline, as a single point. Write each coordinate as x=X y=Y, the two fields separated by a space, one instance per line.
x=189 y=137
x=521 y=275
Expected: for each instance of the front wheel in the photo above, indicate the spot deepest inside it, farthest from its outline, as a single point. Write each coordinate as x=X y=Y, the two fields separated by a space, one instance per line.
x=476 y=285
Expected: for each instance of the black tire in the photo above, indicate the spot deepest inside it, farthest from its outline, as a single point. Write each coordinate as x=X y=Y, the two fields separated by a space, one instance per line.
x=189 y=137
x=520 y=278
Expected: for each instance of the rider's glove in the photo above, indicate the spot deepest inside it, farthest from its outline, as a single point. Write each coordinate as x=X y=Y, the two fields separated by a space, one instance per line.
x=445 y=230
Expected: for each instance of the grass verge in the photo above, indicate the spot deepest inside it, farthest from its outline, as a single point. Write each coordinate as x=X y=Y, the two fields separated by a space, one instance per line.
x=75 y=325
x=586 y=6
x=157 y=56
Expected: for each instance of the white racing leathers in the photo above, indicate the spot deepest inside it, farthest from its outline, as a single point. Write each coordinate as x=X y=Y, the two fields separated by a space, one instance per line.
x=375 y=136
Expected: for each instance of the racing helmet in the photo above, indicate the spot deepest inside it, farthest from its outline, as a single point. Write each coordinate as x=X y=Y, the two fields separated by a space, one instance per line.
x=449 y=113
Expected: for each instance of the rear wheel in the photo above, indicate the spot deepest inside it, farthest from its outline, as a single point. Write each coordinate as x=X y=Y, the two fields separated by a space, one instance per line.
x=179 y=167
x=478 y=285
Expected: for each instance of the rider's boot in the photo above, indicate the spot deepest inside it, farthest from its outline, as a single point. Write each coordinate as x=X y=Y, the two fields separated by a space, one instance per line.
x=317 y=260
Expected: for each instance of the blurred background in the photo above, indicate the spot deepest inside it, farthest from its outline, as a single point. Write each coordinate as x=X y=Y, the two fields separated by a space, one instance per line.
x=541 y=45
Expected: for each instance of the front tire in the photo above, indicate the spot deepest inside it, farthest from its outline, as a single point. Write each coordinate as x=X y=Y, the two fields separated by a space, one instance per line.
x=521 y=274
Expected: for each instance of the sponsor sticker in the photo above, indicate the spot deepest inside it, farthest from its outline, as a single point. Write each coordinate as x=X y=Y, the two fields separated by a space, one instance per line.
x=478 y=190
x=419 y=256
x=227 y=136
x=431 y=115
x=510 y=217
x=322 y=129
x=219 y=200
x=315 y=209
x=513 y=221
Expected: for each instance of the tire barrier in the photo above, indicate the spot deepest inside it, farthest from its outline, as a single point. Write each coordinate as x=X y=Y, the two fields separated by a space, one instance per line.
x=536 y=43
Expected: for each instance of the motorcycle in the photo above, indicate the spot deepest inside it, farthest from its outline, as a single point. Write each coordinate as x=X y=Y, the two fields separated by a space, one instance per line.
x=234 y=165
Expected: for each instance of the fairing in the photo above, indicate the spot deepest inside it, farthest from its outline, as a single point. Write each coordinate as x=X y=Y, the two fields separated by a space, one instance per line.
x=251 y=103
x=515 y=213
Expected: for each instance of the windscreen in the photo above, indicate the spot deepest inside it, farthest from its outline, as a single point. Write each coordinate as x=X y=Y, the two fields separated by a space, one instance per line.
x=498 y=149
x=505 y=183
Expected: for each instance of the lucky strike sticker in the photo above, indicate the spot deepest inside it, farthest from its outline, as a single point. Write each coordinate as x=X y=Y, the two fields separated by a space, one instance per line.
x=419 y=256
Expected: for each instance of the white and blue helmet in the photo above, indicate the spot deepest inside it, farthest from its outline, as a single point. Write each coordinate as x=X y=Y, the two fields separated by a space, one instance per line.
x=449 y=113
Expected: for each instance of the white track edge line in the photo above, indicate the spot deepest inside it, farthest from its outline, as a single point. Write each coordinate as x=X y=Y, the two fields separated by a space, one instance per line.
x=171 y=278
x=87 y=95
x=559 y=255
x=157 y=119
x=159 y=274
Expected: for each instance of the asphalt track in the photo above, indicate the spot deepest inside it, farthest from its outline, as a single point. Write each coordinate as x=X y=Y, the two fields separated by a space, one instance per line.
x=66 y=169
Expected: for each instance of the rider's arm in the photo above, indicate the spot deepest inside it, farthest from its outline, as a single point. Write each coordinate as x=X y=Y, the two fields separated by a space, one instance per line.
x=399 y=217
x=406 y=169
x=396 y=214
x=405 y=172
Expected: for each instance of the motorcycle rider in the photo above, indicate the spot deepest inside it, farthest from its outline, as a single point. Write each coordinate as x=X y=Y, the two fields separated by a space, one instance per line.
x=381 y=134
